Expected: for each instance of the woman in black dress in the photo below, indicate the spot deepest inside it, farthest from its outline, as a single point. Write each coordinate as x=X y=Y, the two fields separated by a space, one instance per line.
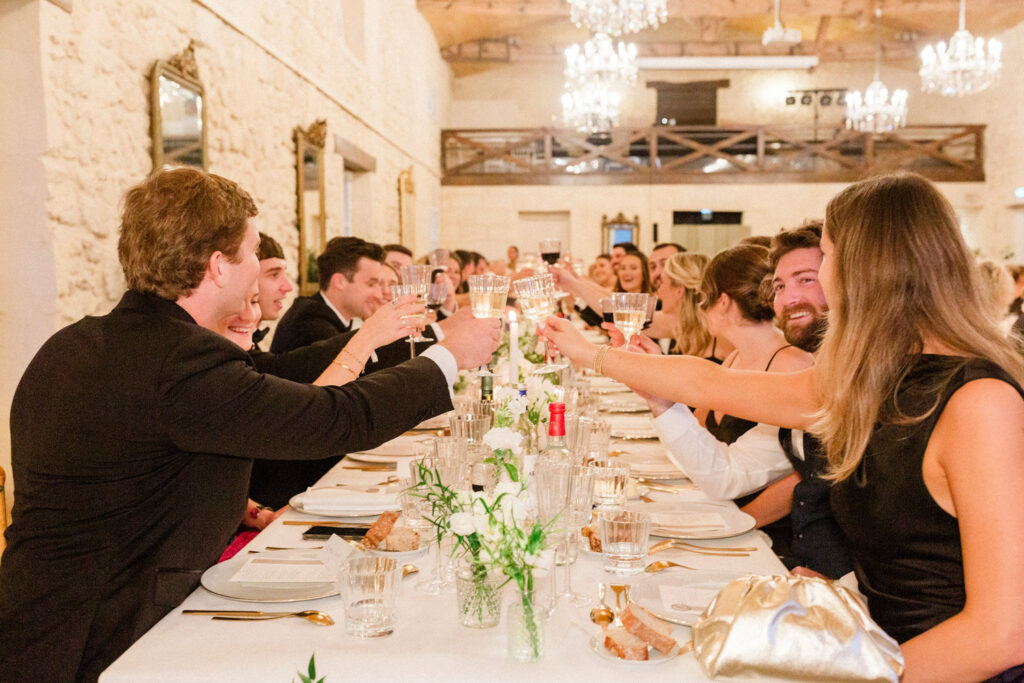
x=917 y=396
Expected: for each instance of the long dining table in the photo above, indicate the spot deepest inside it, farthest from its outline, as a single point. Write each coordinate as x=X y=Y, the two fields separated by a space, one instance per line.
x=428 y=642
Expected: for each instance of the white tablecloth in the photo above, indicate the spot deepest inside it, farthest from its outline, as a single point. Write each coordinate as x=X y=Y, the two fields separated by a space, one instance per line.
x=428 y=642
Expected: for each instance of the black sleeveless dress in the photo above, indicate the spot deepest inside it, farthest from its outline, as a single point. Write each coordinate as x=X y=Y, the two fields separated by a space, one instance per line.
x=906 y=549
x=727 y=430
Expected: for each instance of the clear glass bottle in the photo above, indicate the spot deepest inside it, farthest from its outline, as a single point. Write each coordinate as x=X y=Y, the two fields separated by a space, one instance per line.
x=556 y=447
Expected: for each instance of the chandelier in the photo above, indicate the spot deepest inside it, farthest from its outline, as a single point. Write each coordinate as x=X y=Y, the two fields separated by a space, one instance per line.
x=595 y=75
x=962 y=67
x=616 y=17
x=876 y=111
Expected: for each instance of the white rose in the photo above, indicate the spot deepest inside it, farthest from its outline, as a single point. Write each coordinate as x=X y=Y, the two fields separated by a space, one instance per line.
x=461 y=523
x=502 y=438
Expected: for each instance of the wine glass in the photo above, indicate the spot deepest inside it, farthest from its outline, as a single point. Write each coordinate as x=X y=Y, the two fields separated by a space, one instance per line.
x=418 y=279
x=581 y=502
x=652 y=306
x=437 y=292
x=488 y=295
x=551 y=250
x=406 y=290
x=628 y=313
x=536 y=297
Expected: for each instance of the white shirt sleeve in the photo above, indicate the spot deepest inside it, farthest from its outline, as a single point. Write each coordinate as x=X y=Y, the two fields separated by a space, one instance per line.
x=438 y=332
x=445 y=360
x=722 y=471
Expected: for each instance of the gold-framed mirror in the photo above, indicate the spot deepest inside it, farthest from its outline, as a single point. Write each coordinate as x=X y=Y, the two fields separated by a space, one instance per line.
x=618 y=229
x=178 y=112
x=311 y=206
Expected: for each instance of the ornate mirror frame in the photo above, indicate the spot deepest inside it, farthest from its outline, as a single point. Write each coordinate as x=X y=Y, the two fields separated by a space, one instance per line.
x=612 y=230
x=182 y=72
x=311 y=208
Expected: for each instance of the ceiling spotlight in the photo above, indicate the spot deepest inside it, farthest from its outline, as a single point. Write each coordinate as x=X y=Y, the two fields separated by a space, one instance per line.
x=790 y=99
x=806 y=100
x=825 y=100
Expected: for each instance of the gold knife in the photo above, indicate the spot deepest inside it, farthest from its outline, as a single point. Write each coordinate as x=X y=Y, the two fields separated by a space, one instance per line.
x=231 y=613
x=319 y=522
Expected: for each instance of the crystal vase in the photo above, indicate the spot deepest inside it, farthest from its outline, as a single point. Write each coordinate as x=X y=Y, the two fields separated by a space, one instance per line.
x=478 y=593
x=525 y=627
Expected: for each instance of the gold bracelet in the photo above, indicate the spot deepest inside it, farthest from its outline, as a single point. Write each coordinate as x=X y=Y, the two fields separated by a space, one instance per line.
x=599 y=359
x=355 y=373
x=363 y=364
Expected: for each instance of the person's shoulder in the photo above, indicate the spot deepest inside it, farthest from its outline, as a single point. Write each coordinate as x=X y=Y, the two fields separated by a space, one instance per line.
x=792 y=359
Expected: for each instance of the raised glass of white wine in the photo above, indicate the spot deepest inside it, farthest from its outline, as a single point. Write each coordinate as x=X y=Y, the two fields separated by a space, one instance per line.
x=417 y=278
x=488 y=295
x=537 y=300
x=629 y=312
x=400 y=290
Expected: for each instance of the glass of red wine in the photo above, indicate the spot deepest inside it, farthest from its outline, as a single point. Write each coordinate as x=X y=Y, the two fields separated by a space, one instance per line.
x=551 y=250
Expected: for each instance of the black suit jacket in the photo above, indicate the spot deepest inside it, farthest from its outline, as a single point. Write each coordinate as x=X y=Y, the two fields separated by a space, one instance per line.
x=132 y=437
x=307 y=320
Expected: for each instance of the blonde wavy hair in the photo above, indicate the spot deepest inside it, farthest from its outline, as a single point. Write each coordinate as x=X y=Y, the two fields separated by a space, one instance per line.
x=901 y=273
x=691 y=331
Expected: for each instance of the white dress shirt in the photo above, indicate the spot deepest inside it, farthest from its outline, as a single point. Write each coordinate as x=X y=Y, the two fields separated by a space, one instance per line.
x=722 y=471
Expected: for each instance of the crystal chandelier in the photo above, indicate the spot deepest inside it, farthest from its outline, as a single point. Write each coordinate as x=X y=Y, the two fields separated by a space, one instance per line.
x=595 y=75
x=616 y=17
x=876 y=111
x=962 y=67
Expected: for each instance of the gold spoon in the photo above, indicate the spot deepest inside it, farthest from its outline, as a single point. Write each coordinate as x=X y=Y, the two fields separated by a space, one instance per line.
x=602 y=614
x=670 y=544
x=311 y=615
x=663 y=564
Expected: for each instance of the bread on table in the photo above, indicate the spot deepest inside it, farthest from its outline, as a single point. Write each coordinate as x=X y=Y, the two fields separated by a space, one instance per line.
x=593 y=537
x=401 y=539
x=380 y=529
x=648 y=628
x=624 y=644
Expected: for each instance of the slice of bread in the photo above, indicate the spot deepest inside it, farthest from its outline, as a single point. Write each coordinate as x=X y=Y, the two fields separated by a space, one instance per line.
x=402 y=539
x=625 y=645
x=593 y=538
x=649 y=628
x=380 y=529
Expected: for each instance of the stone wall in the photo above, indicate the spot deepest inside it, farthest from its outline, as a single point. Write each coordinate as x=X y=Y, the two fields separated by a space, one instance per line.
x=267 y=67
x=528 y=95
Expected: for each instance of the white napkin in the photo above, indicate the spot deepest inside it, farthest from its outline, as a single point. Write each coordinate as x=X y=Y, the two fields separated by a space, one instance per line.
x=340 y=499
x=274 y=567
x=687 y=521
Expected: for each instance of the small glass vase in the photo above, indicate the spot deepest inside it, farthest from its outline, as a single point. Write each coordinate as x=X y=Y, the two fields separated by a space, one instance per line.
x=525 y=627
x=479 y=597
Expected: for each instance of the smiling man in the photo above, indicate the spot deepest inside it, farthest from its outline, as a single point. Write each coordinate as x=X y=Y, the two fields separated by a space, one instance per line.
x=133 y=433
x=800 y=308
x=350 y=276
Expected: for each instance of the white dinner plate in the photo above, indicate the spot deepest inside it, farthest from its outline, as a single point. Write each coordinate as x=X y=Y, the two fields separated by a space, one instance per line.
x=370 y=515
x=403 y=448
x=217 y=580
x=623 y=406
x=703 y=584
x=436 y=422
x=679 y=520
x=653 y=656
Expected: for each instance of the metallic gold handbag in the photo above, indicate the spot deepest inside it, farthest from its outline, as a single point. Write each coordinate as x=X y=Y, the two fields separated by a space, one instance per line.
x=793 y=627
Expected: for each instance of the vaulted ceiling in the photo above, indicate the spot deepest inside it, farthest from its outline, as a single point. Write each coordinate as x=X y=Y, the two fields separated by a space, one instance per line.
x=475 y=35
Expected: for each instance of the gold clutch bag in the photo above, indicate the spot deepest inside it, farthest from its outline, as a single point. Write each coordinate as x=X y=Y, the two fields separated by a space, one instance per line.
x=793 y=627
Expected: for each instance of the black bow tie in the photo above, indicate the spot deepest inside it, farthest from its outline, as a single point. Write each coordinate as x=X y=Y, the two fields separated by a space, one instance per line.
x=258 y=335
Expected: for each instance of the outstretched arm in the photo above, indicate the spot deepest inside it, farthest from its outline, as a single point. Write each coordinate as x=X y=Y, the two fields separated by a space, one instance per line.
x=783 y=399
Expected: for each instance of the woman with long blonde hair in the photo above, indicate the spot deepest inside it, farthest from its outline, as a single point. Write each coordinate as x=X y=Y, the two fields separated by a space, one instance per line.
x=917 y=396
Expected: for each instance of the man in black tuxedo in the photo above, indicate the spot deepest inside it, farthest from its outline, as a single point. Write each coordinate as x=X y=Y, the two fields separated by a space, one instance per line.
x=349 y=270
x=273 y=283
x=132 y=434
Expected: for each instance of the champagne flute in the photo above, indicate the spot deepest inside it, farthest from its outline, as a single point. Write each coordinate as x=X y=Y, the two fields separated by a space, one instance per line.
x=488 y=295
x=418 y=278
x=581 y=501
x=405 y=290
x=629 y=312
x=536 y=297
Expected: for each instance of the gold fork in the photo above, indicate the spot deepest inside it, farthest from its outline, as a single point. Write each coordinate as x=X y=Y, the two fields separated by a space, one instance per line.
x=675 y=545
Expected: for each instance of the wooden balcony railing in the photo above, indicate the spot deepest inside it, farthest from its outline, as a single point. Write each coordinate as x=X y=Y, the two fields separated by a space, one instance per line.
x=705 y=154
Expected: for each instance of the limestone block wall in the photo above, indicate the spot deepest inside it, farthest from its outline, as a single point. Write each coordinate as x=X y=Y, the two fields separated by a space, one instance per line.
x=267 y=67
